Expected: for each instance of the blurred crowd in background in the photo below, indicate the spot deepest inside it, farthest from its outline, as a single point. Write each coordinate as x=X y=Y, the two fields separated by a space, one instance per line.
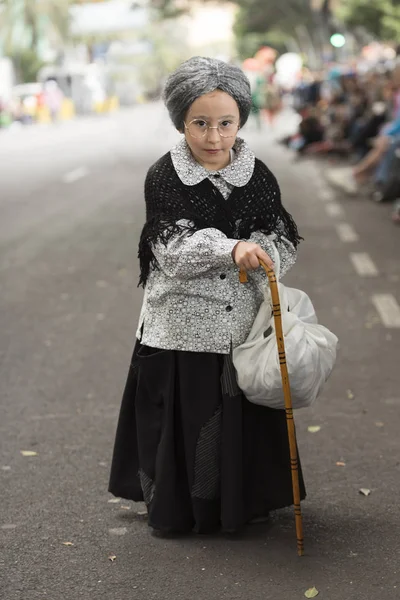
x=353 y=116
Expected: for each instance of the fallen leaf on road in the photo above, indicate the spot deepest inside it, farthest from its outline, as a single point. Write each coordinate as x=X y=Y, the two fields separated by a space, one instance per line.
x=350 y=395
x=380 y=424
x=67 y=544
x=28 y=453
x=112 y=557
x=142 y=513
x=114 y=500
x=340 y=464
x=118 y=531
x=311 y=593
x=125 y=507
x=314 y=428
x=365 y=491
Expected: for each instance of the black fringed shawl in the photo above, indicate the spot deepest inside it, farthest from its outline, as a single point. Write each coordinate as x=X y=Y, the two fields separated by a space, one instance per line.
x=255 y=207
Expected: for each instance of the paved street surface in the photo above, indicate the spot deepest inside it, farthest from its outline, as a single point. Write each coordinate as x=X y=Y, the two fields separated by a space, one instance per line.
x=71 y=209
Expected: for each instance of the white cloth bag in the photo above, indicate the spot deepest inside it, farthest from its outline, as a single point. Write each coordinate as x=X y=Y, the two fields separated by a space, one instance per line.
x=310 y=352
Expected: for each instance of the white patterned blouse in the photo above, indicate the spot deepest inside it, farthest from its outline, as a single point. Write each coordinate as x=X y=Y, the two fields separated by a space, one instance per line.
x=194 y=301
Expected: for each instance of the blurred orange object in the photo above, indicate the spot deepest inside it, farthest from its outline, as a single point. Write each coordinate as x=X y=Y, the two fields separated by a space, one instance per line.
x=266 y=55
x=251 y=64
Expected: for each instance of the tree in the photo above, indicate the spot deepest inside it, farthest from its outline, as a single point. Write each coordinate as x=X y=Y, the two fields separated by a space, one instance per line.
x=25 y=23
x=298 y=25
x=170 y=9
x=381 y=18
x=26 y=64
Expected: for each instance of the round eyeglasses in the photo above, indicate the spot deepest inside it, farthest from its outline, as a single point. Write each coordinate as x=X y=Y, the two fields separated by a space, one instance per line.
x=199 y=128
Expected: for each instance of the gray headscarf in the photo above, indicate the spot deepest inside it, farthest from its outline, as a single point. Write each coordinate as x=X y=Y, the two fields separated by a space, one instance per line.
x=198 y=76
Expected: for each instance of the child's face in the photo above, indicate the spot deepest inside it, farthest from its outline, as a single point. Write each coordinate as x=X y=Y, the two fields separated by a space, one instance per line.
x=216 y=109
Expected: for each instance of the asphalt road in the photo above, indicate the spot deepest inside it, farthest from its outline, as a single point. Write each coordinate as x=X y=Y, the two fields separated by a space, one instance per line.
x=71 y=209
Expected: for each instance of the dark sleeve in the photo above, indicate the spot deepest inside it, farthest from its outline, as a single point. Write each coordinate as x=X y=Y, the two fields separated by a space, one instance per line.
x=283 y=224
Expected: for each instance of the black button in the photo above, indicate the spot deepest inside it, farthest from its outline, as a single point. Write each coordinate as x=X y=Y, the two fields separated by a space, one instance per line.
x=229 y=308
x=222 y=276
x=216 y=175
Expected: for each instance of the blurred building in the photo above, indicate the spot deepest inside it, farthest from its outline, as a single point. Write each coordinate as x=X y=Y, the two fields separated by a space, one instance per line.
x=117 y=49
x=210 y=29
x=100 y=18
x=91 y=70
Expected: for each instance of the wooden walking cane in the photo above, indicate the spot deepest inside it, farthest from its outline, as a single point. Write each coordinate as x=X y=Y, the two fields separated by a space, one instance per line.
x=294 y=462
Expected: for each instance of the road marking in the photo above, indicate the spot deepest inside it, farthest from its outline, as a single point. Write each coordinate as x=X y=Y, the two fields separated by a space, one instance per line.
x=75 y=175
x=388 y=309
x=346 y=233
x=363 y=264
x=326 y=195
x=334 y=209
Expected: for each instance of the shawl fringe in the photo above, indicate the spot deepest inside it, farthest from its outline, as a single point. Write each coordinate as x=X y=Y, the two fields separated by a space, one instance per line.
x=169 y=201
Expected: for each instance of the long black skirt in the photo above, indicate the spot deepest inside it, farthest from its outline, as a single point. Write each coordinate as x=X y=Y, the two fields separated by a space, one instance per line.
x=194 y=449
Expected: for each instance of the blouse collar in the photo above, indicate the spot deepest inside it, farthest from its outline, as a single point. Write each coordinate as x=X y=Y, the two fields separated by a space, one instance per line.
x=238 y=173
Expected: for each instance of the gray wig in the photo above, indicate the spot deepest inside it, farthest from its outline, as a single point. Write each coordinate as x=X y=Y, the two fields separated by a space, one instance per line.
x=198 y=76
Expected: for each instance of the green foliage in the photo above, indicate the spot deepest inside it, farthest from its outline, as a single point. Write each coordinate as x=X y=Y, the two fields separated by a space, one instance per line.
x=287 y=25
x=258 y=16
x=295 y=25
x=24 y=23
x=170 y=9
x=27 y=65
x=380 y=17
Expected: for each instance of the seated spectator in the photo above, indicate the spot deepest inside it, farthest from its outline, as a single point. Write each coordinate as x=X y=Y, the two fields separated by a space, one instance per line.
x=351 y=180
x=337 y=121
x=366 y=128
x=310 y=131
x=387 y=175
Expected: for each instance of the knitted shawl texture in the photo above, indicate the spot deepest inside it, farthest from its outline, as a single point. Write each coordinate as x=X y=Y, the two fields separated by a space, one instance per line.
x=255 y=207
